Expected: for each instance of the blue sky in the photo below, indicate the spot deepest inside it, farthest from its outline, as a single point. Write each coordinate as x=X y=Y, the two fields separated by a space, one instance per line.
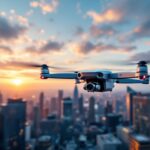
x=79 y=34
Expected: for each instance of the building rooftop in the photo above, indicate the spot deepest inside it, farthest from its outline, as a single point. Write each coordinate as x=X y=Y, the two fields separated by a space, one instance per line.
x=109 y=139
x=44 y=138
x=141 y=138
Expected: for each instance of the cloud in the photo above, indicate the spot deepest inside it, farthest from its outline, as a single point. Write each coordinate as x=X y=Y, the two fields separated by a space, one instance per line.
x=81 y=34
x=13 y=16
x=137 y=33
x=9 y=31
x=141 y=56
x=47 y=6
x=122 y=11
x=5 y=49
x=126 y=7
x=104 y=30
x=141 y=31
x=110 y=15
x=48 y=46
x=125 y=12
x=79 y=31
x=86 y=47
x=52 y=46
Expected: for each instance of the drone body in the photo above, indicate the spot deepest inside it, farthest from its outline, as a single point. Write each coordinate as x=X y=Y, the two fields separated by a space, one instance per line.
x=102 y=80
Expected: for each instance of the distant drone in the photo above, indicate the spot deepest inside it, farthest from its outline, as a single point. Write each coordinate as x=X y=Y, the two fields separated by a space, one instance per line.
x=99 y=80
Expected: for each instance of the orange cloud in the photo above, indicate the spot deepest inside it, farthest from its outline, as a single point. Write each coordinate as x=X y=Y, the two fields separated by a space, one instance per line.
x=110 y=15
x=45 y=5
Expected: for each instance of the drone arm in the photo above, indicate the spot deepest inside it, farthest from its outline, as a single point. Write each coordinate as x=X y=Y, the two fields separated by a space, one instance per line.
x=123 y=75
x=131 y=81
x=61 y=75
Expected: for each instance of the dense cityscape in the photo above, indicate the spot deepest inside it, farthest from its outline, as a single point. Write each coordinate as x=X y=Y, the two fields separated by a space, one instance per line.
x=117 y=122
x=74 y=75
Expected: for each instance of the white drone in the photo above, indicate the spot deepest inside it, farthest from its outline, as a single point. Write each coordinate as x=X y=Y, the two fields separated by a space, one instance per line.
x=99 y=80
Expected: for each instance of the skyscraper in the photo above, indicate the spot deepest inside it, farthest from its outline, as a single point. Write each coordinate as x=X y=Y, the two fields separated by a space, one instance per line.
x=81 y=106
x=141 y=114
x=53 y=106
x=129 y=104
x=60 y=98
x=75 y=97
x=139 y=142
x=36 y=121
x=41 y=104
x=1 y=98
x=91 y=112
x=108 y=108
x=12 y=131
x=67 y=109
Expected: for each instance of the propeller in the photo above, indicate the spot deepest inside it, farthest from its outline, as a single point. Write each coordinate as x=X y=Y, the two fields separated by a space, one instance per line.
x=128 y=62
x=34 y=65
x=139 y=62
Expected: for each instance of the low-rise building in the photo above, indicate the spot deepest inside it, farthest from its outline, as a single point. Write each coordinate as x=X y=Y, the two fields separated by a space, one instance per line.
x=108 y=142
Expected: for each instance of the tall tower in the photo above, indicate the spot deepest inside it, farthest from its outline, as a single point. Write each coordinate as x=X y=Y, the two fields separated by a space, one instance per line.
x=36 y=121
x=129 y=104
x=1 y=98
x=91 y=113
x=75 y=97
x=41 y=104
x=108 y=108
x=67 y=109
x=60 y=98
x=53 y=106
x=12 y=131
x=81 y=107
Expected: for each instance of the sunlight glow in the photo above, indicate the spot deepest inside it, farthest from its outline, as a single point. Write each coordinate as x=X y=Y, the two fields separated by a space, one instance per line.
x=17 y=82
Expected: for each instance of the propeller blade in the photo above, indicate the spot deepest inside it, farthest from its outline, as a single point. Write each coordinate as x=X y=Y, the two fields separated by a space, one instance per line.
x=129 y=63
x=140 y=62
x=26 y=64
x=34 y=65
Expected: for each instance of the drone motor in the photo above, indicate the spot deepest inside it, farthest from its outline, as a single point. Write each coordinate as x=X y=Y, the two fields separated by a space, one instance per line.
x=142 y=70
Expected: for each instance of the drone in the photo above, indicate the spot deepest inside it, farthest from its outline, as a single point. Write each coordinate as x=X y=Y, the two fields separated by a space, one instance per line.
x=99 y=80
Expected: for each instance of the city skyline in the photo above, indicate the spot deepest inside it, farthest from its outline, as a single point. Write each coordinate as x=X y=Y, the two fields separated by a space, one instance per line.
x=76 y=34
x=76 y=122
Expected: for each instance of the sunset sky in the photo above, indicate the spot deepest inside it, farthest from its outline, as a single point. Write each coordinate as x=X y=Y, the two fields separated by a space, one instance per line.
x=78 y=34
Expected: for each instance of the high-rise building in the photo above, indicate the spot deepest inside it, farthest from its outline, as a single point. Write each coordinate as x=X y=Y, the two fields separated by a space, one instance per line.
x=123 y=133
x=108 y=108
x=30 y=105
x=129 y=104
x=81 y=105
x=67 y=109
x=50 y=126
x=91 y=112
x=12 y=131
x=41 y=104
x=112 y=121
x=139 y=142
x=141 y=114
x=53 y=106
x=138 y=111
x=101 y=109
x=119 y=107
x=36 y=121
x=46 y=109
x=2 y=138
x=1 y=98
x=60 y=98
x=75 y=97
